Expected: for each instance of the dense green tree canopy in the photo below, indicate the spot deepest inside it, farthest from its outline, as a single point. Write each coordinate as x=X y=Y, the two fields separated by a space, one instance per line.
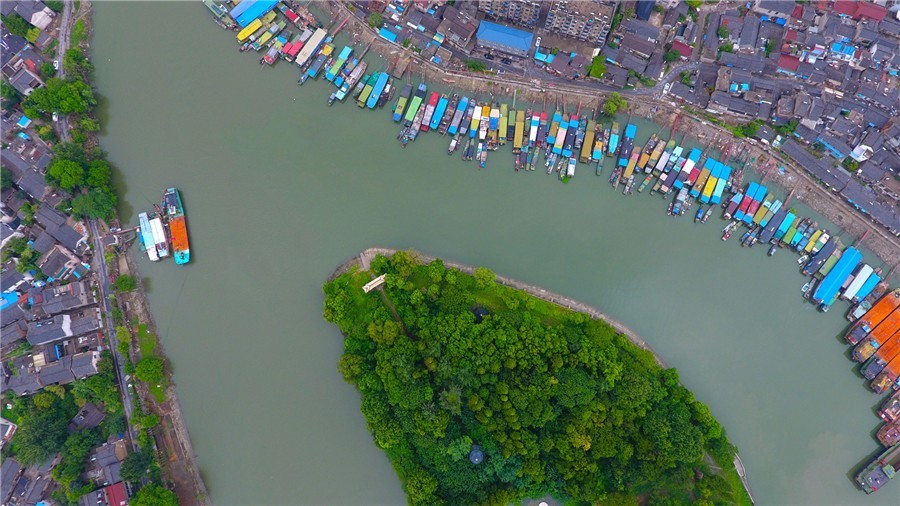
x=559 y=403
x=614 y=104
x=62 y=96
x=154 y=495
x=149 y=369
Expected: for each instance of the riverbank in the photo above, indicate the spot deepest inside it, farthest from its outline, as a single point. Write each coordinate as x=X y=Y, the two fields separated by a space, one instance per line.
x=175 y=453
x=794 y=178
x=363 y=261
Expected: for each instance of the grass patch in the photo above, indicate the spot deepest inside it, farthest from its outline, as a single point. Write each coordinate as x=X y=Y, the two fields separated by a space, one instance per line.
x=78 y=31
x=159 y=391
x=146 y=340
x=147 y=343
x=23 y=348
x=733 y=478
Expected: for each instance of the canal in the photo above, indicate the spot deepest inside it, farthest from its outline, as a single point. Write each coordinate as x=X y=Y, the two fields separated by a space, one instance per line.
x=280 y=189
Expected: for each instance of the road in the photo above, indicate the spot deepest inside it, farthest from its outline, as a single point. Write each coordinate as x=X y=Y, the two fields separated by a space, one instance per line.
x=103 y=286
x=65 y=30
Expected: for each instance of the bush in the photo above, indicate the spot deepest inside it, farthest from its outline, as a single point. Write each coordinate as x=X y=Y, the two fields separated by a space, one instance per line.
x=376 y=20
x=16 y=24
x=124 y=283
x=476 y=66
x=154 y=495
x=78 y=33
x=723 y=32
x=32 y=34
x=850 y=164
x=149 y=369
x=614 y=104
x=597 y=68
x=135 y=466
x=671 y=56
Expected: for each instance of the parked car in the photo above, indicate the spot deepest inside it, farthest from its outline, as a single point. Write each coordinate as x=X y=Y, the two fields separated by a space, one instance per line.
x=506 y=61
x=537 y=43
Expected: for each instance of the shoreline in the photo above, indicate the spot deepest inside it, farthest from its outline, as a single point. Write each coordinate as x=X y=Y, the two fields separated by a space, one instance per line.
x=807 y=189
x=364 y=258
x=179 y=464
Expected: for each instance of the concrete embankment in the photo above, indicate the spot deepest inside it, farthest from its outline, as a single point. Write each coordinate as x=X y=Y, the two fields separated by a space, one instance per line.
x=364 y=260
x=662 y=110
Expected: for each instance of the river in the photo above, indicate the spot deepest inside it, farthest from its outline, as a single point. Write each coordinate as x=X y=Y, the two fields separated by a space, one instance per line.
x=280 y=189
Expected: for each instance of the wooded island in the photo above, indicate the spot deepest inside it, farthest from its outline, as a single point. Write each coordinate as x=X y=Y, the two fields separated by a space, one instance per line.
x=480 y=393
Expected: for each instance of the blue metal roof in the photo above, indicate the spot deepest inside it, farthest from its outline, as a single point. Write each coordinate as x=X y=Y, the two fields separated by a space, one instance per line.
x=829 y=286
x=518 y=39
x=252 y=12
x=387 y=34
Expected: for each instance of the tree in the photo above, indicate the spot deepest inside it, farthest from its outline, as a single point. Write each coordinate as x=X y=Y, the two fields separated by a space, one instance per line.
x=54 y=5
x=124 y=283
x=476 y=66
x=597 y=69
x=40 y=435
x=65 y=173
x=62 y=96
x=97 y=203
x=850 y=164
x=154 y=495
x=723 y=32
x=484 y=278
x=727 y=47
x=149 y=369
x=75 y=62
x=32 y=34
x=614 y=104
x=376 y=20
x=671 y=55
x=16 y=24
x=559 y=403
x=10 y=96
x=685 y=78
x=694 y=4
x=47 y=70
x=99 y=173
x=135 y=466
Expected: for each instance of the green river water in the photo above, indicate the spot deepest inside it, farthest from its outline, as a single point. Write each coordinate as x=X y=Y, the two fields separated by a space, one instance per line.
x=280 y=189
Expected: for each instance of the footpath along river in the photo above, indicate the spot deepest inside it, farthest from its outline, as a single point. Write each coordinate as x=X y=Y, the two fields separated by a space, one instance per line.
x=280 y=189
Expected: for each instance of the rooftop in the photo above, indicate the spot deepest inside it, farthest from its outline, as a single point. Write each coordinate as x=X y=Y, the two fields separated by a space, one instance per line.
x=518 y=39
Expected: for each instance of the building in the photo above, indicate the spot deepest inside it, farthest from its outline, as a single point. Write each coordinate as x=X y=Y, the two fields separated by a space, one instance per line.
x=33 y=11
x=520 y=12
x=504 y=39
x=457 y=28
x=587 y=20
x=58 y=299
x=62 y=326
x=25 y=81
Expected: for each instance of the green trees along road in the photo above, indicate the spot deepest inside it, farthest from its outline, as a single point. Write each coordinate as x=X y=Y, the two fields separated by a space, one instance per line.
x=558 y=403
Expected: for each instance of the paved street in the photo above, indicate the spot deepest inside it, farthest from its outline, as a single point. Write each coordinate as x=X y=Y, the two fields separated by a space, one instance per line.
x=103 y=285
x=65 y=30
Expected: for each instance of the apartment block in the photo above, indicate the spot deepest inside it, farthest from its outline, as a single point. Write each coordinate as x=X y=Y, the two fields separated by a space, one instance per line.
x=587 y=20
x=520 y=12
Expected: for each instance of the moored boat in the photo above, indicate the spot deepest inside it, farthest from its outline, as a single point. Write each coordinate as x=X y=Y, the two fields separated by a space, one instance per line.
x=177 y=226
x=146 y=237
x=880 y=471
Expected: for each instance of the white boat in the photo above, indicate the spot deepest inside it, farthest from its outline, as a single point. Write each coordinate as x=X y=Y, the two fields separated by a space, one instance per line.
x=159 y=237
x=147 y=237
